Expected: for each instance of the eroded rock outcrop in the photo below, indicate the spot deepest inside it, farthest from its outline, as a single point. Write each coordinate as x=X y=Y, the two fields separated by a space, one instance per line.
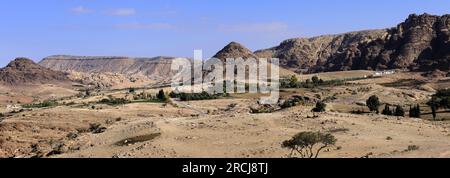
x=419 y=43
x=23 y=71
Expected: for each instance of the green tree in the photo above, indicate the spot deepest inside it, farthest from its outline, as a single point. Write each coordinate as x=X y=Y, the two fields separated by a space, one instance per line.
x=414 y=111
x=309 y=144
x=418 y=112
x=434 y=105
x=293 y=82
x=373 y=103
x=161 y=95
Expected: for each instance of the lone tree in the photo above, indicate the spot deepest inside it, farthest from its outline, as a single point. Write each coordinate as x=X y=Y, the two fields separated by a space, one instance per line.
x=320 y=107
x=308 y=144
x=434 y=105
x=161 y=95
x=442 y=97
x=373 y=103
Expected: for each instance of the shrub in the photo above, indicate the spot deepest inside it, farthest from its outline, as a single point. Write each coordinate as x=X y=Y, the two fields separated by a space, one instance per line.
x=311 y=83
x=114 y=101
x=293 y=83
x=72 y=136
x=262 y=109
x=173 y=95
x=315 y=80
x=305 y=143
x=44 y=104
x=58 y=147
x=291 y=102
x=320 y=107
x=96 y=128
x=412 y=148
x=196 y=96
x=373 y=103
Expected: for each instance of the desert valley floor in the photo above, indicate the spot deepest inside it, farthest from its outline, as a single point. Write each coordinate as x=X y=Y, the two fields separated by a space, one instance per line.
x=225 y=127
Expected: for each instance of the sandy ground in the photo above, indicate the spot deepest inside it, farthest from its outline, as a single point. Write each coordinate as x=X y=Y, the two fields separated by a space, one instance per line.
x=214 y=128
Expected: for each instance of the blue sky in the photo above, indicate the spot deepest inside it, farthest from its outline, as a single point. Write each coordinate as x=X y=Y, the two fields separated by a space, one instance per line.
x=146 y=28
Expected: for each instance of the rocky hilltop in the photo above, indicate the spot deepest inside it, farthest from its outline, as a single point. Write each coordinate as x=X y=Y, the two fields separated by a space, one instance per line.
x=157 y=68
x=23 y=71
x=234 y=50
x=422 y=42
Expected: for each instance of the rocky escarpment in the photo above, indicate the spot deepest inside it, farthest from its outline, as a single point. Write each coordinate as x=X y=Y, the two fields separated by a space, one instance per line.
x=422 y=42
x=158 y=68
x=23 y=71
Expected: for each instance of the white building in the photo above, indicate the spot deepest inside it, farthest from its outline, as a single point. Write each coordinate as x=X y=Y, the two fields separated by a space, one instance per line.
x=382 y=73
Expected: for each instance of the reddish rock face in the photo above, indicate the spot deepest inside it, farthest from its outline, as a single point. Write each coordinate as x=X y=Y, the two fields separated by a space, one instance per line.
x=24 y=71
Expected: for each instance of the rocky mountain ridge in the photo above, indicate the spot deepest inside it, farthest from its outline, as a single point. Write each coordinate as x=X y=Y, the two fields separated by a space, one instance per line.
x=422 y=42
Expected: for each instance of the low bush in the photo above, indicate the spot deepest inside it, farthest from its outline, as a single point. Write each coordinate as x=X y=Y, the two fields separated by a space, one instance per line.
x=114 y=101
x=96 y=128
x=197 y=96
x=291 y=102
x=44 y=104
x=412 y=148
x=320 y=107
x=262 y=109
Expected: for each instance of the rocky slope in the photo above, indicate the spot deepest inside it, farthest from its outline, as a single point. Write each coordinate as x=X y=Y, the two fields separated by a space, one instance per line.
x=23 y=71
x=422 y=42
x=157 y=68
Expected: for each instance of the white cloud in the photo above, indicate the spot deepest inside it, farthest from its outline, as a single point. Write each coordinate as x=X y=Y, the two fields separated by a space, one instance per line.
x=123 y=12
x=80 y=10
x=144 y=26
x=254 y=27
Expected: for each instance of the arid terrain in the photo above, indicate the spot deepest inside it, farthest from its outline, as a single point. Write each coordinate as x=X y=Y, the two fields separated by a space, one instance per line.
x=225 y=127
x=123 y=107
